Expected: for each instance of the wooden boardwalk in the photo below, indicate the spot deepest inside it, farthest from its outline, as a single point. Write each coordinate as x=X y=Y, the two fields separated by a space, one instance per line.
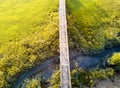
x=65 y=79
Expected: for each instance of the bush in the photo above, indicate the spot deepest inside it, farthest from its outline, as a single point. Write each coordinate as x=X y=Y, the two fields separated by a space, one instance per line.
x=85 y=77
x=34 y=82
x=55 y=80
x=114 y=61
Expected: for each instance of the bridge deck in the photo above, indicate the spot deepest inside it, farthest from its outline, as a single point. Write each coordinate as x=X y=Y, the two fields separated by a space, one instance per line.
x=64 y=50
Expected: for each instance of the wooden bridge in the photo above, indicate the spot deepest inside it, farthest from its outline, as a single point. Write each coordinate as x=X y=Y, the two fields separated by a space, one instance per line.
x=65 y=79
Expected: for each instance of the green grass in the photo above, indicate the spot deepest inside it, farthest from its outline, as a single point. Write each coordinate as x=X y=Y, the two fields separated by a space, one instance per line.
x=20 y=19
x=93 y=25
x=28 y=35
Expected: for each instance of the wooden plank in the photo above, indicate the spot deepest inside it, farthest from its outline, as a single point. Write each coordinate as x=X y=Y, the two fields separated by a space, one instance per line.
x=65 y=79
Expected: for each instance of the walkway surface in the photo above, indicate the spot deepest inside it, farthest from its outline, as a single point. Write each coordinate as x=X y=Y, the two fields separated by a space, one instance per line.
x=65 y=80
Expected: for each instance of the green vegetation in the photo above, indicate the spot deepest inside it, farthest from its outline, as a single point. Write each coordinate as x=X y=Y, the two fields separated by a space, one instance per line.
x=93 y=24
x=85 y=77
x=28 y=35
x=55 y=80
x=81 y=77
x=33 y=83
x=114 y=61
x=36 y=81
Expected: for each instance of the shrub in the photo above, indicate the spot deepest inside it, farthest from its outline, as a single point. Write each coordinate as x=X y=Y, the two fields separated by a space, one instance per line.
x=85 y=77
x=114 y=61
x=55 y=80
x=34 y=82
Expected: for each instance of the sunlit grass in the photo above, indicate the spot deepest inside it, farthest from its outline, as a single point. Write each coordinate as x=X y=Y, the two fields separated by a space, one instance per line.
x=22 y=18
x=28 y=36
x=91 y=23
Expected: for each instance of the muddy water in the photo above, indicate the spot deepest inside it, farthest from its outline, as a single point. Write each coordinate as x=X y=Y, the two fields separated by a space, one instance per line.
x=50 y=65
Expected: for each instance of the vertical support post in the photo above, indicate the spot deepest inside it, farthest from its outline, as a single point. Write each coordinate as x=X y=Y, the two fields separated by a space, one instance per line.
x=65 y=79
